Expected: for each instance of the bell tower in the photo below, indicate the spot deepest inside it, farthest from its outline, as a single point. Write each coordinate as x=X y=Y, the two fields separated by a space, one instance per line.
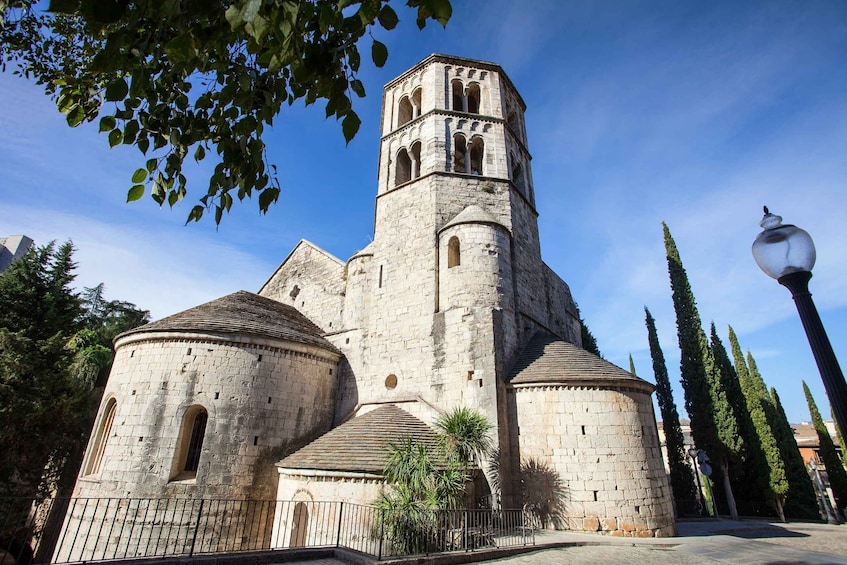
x=453 y=115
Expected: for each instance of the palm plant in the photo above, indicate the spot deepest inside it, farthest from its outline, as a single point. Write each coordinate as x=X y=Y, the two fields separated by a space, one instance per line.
x=426 y=480
x=465 y=435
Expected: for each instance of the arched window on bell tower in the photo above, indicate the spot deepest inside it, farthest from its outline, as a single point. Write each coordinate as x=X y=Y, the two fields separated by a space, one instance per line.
x=416 y=159
x=458 y=91
x=402 y=167
x=404 y=112
x=460 y=149
x=416 y=103
x=477 y=152
x=473 y=98
x=517 y=175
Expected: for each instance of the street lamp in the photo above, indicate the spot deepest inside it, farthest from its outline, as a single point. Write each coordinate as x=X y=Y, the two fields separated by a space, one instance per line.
x=787 y=253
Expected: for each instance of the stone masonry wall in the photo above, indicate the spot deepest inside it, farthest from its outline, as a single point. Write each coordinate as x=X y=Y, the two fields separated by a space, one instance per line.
x=311 y=280
x=263 y=398
x=321 y=508
x=600 y=446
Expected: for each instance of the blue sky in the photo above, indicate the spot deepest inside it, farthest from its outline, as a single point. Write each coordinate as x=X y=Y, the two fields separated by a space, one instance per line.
x=692 y=113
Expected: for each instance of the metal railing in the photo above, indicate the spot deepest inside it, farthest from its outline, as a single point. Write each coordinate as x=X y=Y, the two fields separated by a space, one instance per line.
x=78 y=530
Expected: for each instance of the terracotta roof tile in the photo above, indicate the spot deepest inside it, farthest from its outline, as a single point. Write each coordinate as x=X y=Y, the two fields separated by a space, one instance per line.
x=547 y=359
x=243 y=312
x=360 y=445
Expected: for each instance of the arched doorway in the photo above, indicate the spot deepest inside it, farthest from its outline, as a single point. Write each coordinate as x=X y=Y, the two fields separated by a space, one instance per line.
x=299 y=526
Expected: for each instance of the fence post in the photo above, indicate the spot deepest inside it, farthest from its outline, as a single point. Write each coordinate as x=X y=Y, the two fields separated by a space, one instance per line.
x=196 y=527
x=381 y=532
x=340 y=515
x=465 y=529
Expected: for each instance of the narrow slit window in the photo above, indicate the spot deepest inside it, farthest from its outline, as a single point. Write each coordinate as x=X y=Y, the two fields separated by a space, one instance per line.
x=454 y=253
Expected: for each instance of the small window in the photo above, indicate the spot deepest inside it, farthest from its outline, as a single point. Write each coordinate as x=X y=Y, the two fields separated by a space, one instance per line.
x=473 y=99
x=517 y=178
x=458 y=96
x=460 y=149
x=405 y=112
x=191 y=442
x=416 y=159
x=102 y=438
x=416 y=102
x=402 y=168
x=477 y=151
x=512 y=120
x=454 y=253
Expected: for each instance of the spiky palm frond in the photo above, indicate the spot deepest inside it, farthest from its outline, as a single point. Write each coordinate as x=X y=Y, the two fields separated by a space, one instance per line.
x=465 y=434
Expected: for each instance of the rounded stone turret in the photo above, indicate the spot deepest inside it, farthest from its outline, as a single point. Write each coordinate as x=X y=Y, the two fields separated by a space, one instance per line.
x=474 y=263
x=202 y=404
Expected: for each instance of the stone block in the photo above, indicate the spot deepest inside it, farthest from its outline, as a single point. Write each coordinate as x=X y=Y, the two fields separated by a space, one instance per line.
x=591 y=524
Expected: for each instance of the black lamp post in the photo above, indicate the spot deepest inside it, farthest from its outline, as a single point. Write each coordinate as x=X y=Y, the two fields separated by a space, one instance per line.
x=787 y=253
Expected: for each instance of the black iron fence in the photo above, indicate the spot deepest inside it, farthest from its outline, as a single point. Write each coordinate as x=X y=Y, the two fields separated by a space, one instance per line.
x=102 y=529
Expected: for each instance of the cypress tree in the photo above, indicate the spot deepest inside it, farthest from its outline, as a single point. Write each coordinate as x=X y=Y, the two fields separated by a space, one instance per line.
x=589 y=342
x=837 y=433
x=713 y=423
x=682 y=479
x=801 y=502
x=826 y=450
x=632 y=365
x=767 y=461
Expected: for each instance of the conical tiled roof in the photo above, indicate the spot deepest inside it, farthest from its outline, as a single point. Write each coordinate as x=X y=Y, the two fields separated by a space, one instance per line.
x=547 y=359
x=360 y=445
x=243 y=312
x=473 y=214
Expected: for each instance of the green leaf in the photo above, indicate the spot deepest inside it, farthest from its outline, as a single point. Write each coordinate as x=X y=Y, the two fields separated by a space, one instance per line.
x=107 y=123
x=233 y=16
x=350 y=125
x=143 y=144
x=358 y=87
x=115 y=137
x=117 y=90
x=136 y=192
x=181 y=48
x=199 y=153
x=379 y=53
x=152 y=164
x=130 y=132
x=388 y=17
x=195 y=214
x=139 y=176
x=268 y=197
x=368 y=11
x=75 y=116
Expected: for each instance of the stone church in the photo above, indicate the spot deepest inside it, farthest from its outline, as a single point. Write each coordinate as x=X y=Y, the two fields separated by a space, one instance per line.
x=293 y=393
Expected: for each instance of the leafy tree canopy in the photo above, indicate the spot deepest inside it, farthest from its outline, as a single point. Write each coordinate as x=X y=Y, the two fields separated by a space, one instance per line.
x=179 y=79
x=51 y=358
